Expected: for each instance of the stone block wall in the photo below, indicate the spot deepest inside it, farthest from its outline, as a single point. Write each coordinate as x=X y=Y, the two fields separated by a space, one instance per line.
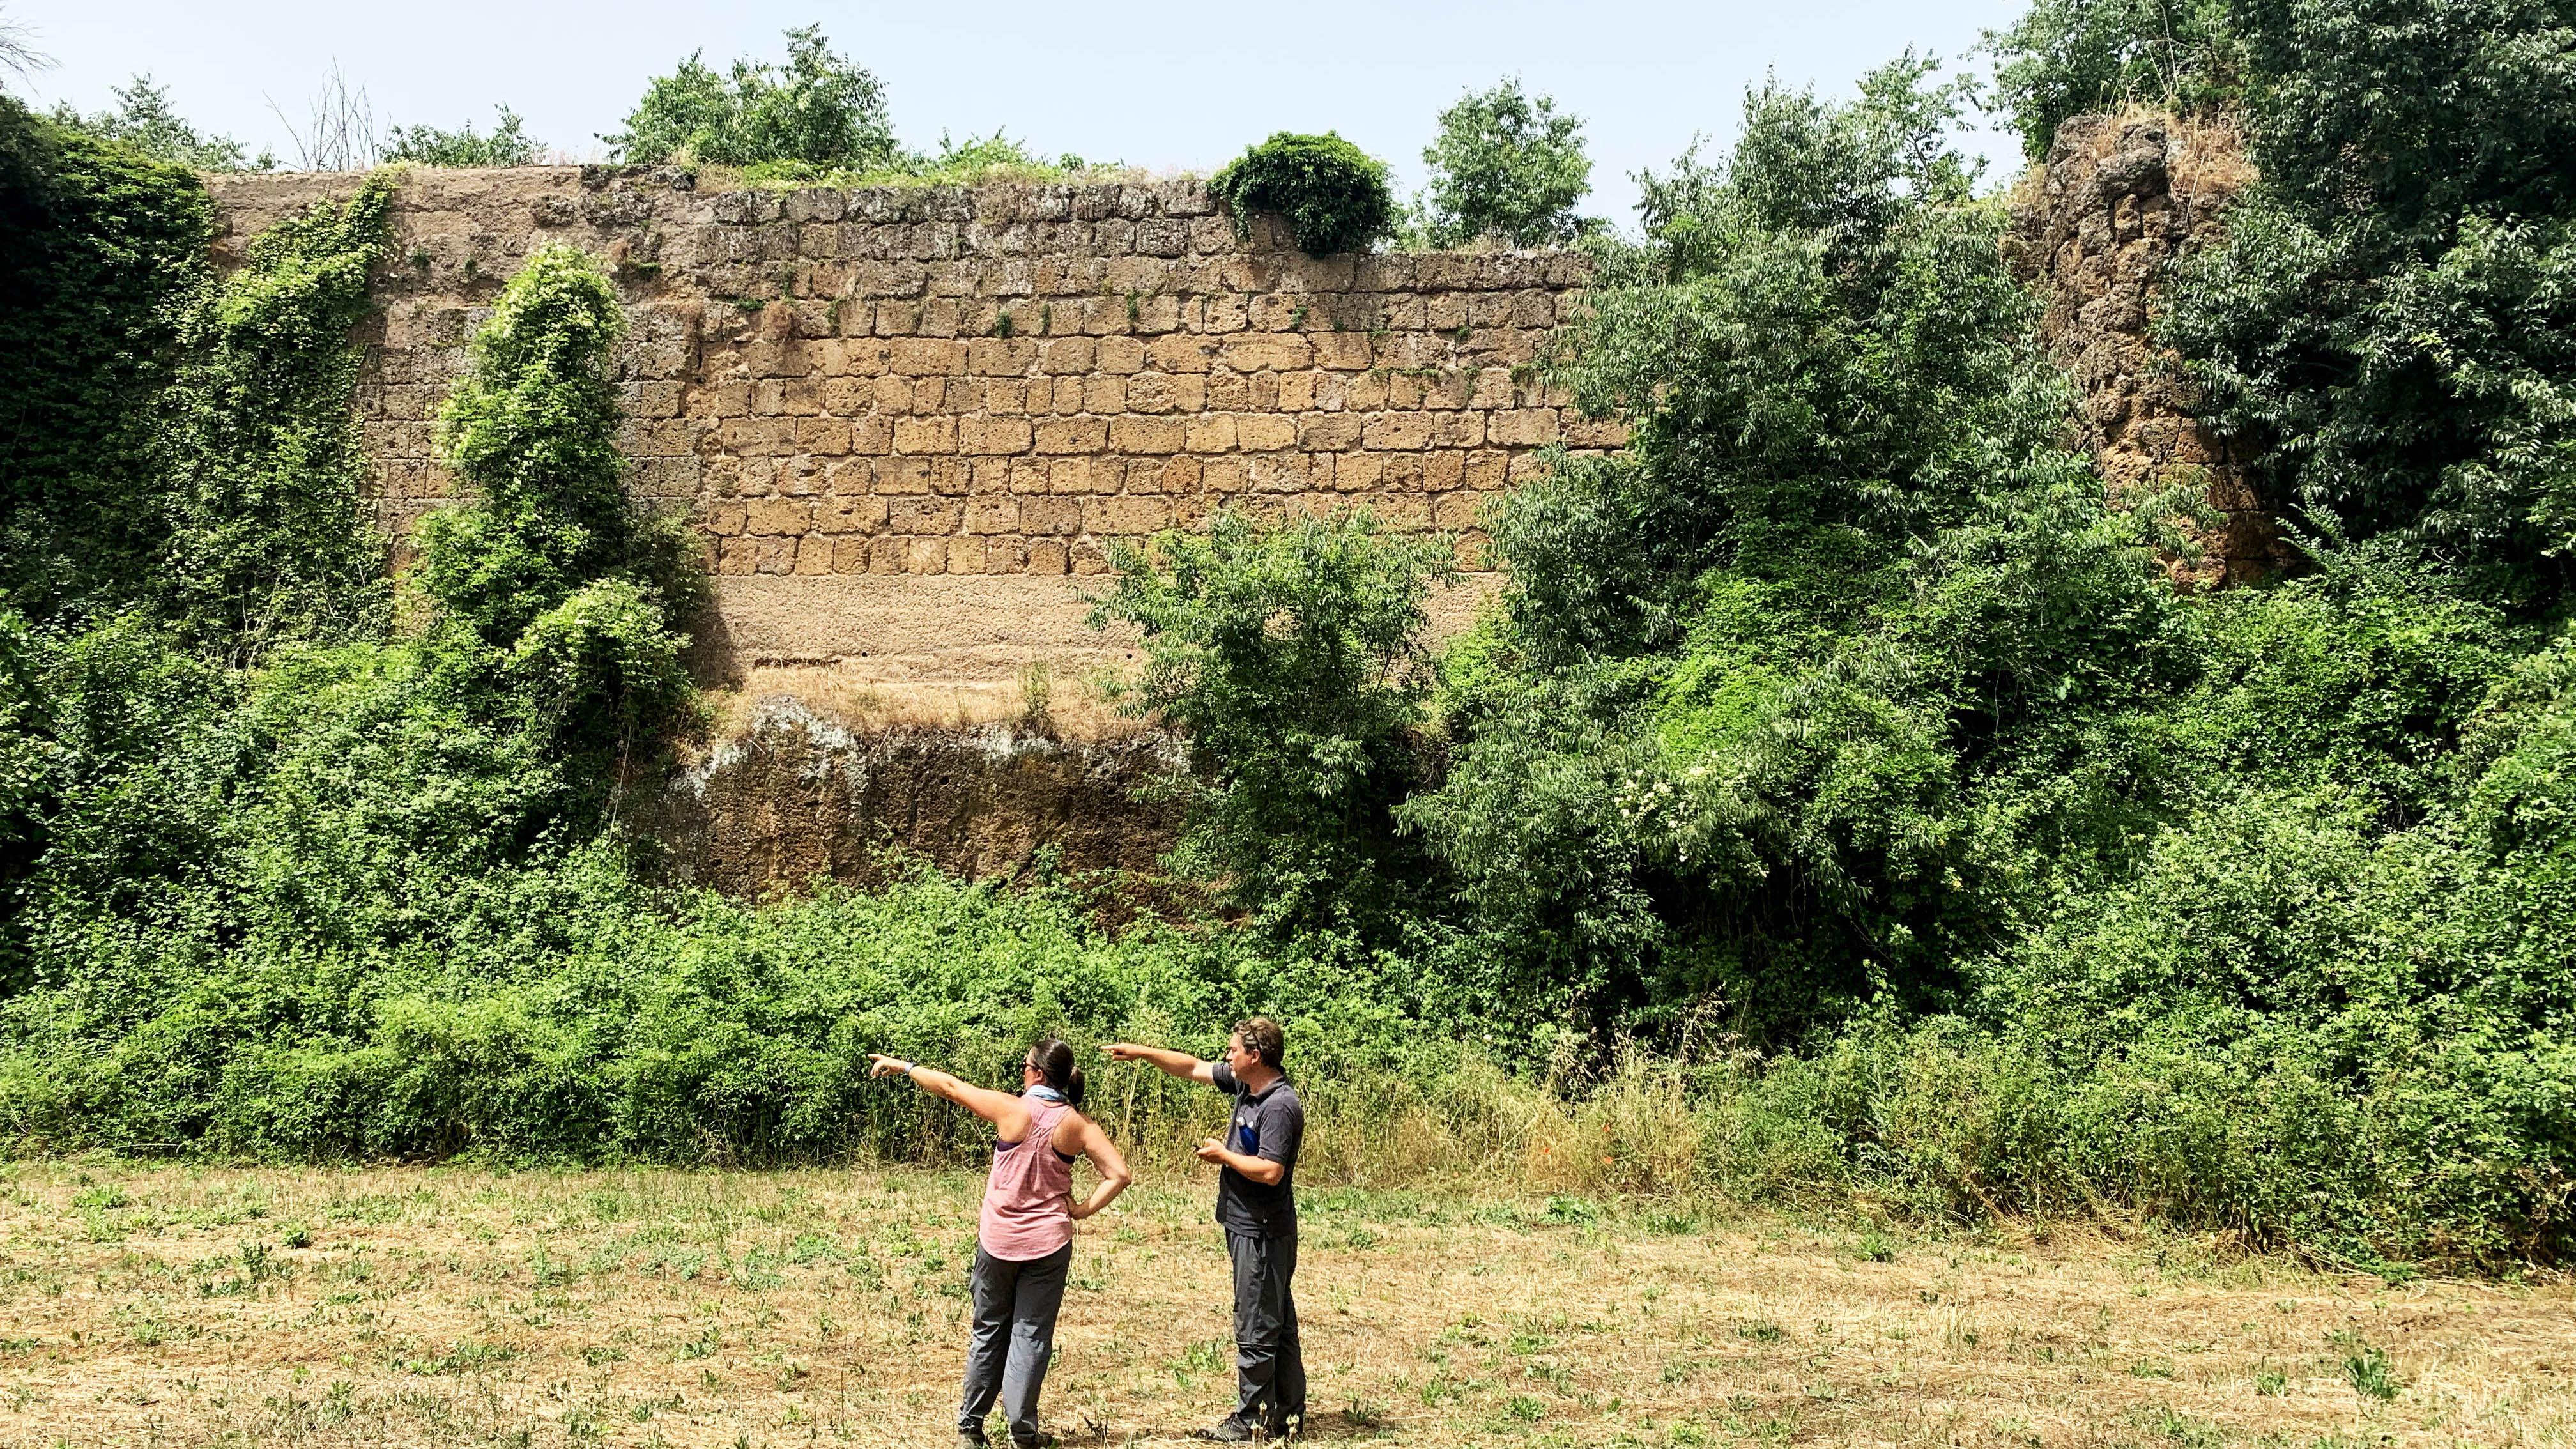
x=908 y=420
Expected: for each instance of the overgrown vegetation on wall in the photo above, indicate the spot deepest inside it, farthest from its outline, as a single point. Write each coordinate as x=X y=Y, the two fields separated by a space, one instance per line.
x=1839 y=790
x=1333 y=195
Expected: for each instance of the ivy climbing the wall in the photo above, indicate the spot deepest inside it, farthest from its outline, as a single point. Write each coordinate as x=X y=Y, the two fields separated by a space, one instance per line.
x=270 y=536
x=99 y=248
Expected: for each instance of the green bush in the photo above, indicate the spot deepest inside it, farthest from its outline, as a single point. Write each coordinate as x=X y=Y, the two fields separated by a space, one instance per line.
x=101 y=251
x=819 y=109
x=509 y=144
x=1508 y=165
x=1334 y=196
x=2068 y=58
x=1291 y=660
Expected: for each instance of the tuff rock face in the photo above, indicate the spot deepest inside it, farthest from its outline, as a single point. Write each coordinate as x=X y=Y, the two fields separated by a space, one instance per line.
x=2119 y=200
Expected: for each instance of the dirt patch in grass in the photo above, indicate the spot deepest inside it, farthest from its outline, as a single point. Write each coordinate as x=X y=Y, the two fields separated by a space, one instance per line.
x=145 y=1305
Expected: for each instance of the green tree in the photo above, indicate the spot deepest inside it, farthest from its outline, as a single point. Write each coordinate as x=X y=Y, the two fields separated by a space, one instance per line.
x=818 y=109
x=1507 y=164
x=2390 y=327
x=1291 y=659
x=508 y=145
x=2067 y=58
x=144 y=119
x=1764 y=671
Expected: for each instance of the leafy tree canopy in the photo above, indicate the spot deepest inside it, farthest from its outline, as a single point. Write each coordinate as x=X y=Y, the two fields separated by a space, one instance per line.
x=144 y=119
x=1507 y=164
x=819 y=108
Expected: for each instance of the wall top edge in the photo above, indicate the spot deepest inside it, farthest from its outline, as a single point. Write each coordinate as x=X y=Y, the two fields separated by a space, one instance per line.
x=1184 y=197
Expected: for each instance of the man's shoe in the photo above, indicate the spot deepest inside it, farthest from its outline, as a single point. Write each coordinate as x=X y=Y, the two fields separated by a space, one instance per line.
x=1288 y=1428
x=972 y=1439
x=1228 y=1431
x=1043 y=1441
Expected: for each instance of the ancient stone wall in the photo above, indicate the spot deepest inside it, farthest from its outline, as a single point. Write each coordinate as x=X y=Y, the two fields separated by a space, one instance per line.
x=908 y=421
x=2097 y=229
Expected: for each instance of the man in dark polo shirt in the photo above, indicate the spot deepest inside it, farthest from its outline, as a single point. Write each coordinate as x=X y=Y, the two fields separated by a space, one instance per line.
x=1256 y=1199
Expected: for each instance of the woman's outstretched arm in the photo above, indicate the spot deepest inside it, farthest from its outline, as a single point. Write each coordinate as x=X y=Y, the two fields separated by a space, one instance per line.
x=1008 y=1114
x=1089 y=1141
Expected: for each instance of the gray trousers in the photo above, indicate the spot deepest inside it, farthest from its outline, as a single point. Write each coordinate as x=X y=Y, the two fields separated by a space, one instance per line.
x=1268 y=1359
x=1014 y=1335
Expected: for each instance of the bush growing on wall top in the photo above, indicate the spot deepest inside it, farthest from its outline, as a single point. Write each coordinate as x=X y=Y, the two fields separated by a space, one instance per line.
x=509 y=144
x=1334 y=195
x=819 y=108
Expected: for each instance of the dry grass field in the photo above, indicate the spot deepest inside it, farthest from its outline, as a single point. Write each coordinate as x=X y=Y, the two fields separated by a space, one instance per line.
x=156 y=1305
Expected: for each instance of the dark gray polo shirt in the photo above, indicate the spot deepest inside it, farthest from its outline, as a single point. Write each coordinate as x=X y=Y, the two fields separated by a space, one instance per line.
x=1270 y=1126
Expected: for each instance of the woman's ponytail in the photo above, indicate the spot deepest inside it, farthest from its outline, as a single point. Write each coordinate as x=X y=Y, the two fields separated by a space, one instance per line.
x=1055 y=1062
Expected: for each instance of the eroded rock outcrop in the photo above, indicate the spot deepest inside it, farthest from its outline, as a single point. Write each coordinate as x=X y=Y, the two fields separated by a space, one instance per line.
x=2097 y=228
x=791 y=795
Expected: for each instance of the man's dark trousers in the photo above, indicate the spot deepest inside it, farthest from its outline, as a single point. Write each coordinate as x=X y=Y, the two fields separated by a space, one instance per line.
x=1267 y=1356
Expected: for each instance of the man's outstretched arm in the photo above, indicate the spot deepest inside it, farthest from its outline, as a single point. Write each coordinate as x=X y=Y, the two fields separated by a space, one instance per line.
x=1179 y=1064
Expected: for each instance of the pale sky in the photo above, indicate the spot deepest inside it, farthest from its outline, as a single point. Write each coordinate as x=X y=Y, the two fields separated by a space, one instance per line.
x=1149 y=82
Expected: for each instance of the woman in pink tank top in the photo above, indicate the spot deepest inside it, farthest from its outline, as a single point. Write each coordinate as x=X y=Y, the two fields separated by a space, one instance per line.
x=1025 y=1240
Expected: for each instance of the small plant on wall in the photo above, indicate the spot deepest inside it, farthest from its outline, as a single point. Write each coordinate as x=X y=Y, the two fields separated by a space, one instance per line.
x=1334 y=195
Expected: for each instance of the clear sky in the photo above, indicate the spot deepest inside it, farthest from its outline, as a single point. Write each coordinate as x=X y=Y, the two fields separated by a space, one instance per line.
x=1149 y=82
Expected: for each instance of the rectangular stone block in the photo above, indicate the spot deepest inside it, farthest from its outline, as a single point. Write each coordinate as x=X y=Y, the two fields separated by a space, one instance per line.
x=926 y=357
x=1523 y=428
x=1157 y=392
x=1134 y=434
x=778 y=516
x=1264 y=432
x=1210 y=433
x=1328 y=432
x=925 y=435
x=990 y=435
x=1398 y=430
x=924 y=515
x=1072 y=435
x=1050 y=515
x=901 y=477
x=1066 y=356
x=1266 y=352
x=1126 y=515
x=838 y=514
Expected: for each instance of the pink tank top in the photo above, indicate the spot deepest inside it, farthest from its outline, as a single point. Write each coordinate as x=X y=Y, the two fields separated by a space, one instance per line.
x=1028 y=1201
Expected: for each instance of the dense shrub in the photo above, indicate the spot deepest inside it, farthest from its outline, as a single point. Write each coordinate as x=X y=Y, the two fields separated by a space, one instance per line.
x=1333 y=195
x=101 y=249
x=1291 y=659
x=819 y=109
x=509 y=144
x=1508 y=165
x=2387 y=328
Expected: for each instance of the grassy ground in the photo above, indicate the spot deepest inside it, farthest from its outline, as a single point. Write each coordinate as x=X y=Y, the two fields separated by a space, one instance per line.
x=145 y=1305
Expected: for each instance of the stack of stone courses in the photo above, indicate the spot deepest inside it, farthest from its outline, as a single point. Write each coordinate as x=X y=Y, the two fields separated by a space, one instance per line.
x=987 y=381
